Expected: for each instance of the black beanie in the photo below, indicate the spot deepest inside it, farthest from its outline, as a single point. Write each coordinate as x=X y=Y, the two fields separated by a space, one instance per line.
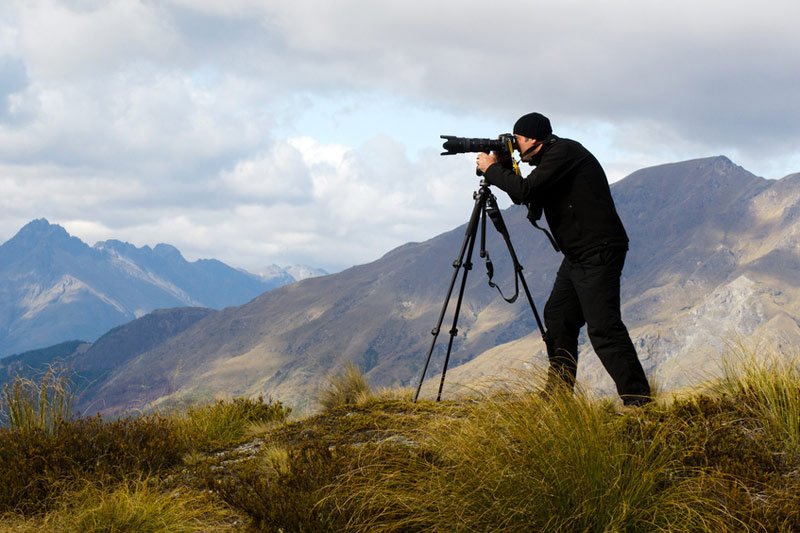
x=533 y=126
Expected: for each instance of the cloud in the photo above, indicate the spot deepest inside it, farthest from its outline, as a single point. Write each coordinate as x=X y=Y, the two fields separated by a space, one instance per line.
x=305 y=131
x=66 y=40
x=297 y=202
x=706 y=72
x=279 y=175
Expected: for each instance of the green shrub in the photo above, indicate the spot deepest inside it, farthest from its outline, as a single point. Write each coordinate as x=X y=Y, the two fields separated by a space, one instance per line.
x=347 y=387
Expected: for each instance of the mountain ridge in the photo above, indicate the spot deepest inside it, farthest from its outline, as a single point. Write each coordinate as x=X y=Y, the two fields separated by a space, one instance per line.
x=53 y=286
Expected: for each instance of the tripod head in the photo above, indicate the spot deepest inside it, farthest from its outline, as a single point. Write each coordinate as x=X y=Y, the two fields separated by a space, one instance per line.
x=488 y=202
x=483 y=184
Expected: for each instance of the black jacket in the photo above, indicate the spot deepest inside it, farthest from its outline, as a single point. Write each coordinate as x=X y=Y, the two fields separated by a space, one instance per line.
x=569 y=185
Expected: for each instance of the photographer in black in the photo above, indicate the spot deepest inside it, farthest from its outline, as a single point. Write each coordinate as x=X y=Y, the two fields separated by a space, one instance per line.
x=570 y=187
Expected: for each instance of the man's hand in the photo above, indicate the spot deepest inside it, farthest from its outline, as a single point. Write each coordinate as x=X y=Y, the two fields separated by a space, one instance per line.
x=485 y=160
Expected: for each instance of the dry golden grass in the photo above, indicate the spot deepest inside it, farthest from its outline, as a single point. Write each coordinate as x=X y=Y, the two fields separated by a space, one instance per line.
x=769 y=382
x=722 y=459
x=345 y=387
x=521 y=462
x=136 y=506
x=29 y=405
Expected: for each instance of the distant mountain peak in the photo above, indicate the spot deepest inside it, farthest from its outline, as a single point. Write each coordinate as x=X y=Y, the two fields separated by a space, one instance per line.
x=126 y=249
x=301 y=272
x=40 y=229
x=721 y=159
x=718 y=162
x=40 y=234
x=722 y=165
x=717 y=172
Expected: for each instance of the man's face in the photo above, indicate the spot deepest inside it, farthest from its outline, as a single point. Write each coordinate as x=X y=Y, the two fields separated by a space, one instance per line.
x=524 y=144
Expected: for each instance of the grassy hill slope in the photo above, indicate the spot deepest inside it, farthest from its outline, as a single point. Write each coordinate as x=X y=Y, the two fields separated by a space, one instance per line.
x=723 y=458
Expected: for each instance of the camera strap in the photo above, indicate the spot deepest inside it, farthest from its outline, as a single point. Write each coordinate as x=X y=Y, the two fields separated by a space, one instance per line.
x=492 y=212
x=514 y=164
x=490 y=274
x=534 y=214
x=531 y=149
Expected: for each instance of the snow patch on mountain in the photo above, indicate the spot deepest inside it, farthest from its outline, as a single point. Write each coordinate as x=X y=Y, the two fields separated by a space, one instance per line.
x=130 y=268
x=67 y=289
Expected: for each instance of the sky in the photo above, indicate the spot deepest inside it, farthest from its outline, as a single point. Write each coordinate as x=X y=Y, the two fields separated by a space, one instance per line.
x=307 y=132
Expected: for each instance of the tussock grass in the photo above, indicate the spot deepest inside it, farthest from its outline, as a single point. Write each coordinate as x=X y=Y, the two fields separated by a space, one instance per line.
x=349 y=386
x=722 y=459
x=227 y=422
x=139 y=506
x=37 y=467
x=525 y=463
x=768 y=384
x=38 y=464
x=42 y=405
x=142 y=507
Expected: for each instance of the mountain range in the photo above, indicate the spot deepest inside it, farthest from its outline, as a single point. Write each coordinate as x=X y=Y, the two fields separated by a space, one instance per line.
x=54 y=287
x=714 y=259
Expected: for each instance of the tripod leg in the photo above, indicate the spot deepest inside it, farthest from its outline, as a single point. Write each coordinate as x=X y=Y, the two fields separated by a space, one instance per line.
x=536 y=317
x=454 y=329
x=469 y=239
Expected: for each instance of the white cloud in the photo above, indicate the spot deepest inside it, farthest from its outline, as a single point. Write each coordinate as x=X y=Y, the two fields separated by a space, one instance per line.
x=78 y=39
x=300 y=201
x=279 y=175
x=304 y=131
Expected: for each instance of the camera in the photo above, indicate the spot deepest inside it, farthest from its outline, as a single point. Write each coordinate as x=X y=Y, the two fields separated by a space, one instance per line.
x=504 y=144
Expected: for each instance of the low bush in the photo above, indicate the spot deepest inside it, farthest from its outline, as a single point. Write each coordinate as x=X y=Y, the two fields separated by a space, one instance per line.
x=37 y=465
x=37 y=462
x=282 y=489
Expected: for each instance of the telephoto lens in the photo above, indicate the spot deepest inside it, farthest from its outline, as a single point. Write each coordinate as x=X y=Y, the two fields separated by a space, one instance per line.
x=461 y=145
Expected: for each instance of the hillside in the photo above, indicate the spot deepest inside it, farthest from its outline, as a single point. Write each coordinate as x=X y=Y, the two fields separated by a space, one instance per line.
x=92 y=363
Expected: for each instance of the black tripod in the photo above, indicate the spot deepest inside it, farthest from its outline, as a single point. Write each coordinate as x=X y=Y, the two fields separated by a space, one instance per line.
x=485 y=204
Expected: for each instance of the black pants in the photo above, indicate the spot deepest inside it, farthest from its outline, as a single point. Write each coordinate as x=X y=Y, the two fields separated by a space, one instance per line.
x=588 y=292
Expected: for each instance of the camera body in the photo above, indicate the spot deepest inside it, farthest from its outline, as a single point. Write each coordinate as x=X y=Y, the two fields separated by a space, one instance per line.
x=503 y=145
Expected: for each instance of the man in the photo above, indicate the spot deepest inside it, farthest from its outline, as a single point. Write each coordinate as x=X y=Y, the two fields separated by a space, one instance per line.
x=569 y=185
